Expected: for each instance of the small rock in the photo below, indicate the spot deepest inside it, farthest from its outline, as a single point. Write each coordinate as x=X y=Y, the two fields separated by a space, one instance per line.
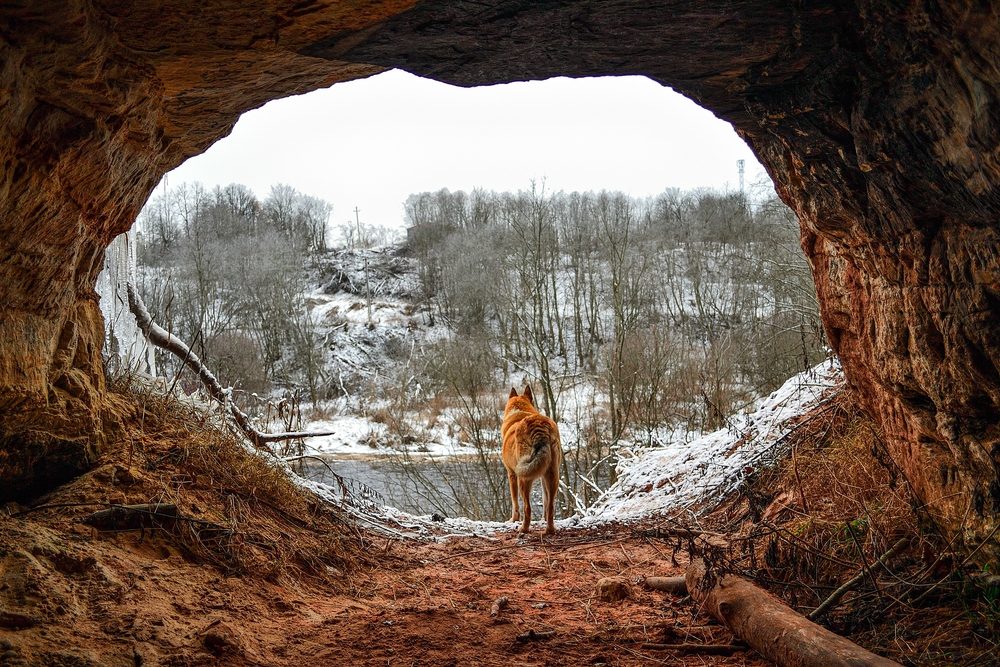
x=613 y=589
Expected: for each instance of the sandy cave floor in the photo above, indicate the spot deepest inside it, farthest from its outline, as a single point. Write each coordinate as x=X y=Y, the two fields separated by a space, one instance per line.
x=128 y=599
x=435 y=607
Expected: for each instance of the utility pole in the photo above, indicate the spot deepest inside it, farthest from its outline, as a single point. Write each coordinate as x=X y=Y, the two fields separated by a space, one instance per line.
x=357 y=221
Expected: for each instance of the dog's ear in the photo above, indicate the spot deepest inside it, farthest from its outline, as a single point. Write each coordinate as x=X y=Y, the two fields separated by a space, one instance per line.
x=513 y=393
x=528 y=395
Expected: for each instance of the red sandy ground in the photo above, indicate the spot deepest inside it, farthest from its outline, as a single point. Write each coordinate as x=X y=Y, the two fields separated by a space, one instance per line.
x=69 y=596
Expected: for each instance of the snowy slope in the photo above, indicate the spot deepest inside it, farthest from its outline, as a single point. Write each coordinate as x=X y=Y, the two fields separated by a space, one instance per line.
x=682 y=474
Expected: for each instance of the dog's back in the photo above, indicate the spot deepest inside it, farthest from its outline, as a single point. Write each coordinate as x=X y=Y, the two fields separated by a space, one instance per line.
x=530 y=441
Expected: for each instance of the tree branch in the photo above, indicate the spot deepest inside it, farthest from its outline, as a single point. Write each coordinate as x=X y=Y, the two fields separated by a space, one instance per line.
x=165 y=340
x=835 y=596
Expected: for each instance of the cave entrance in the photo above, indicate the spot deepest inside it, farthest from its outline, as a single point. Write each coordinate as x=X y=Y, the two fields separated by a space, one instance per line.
x=877 y=126
x=600 y=239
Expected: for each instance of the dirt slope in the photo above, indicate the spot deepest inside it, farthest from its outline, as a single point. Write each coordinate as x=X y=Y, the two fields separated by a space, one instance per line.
x=256 y=572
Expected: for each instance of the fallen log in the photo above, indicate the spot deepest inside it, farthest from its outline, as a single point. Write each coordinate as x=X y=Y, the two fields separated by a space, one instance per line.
x=770 y=627
x=535 y=636
x=673 y=585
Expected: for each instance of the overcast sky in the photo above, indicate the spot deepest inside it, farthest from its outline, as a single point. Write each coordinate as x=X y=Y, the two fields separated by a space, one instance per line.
x=371 y=143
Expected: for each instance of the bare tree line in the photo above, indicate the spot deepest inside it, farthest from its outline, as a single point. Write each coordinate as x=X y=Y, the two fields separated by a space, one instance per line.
x=227 y=272
x=631 y=317
x=680 y=309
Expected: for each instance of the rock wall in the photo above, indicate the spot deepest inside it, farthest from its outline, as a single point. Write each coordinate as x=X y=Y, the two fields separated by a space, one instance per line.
x=879 y=124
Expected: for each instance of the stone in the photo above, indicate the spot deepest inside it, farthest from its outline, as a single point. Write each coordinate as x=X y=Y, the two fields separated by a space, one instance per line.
x=613 y=589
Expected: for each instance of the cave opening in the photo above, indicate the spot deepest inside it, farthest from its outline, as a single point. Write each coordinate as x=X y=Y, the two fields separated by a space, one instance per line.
x=883 y=163
x=877 y=125
x=540 y=196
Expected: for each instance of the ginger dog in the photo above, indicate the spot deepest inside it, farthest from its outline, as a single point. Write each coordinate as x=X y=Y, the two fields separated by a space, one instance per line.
x=531 y=450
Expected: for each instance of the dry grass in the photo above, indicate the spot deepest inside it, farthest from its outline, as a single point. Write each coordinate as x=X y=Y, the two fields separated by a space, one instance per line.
x=826 y=514
x=834 y=498
x=246 y=515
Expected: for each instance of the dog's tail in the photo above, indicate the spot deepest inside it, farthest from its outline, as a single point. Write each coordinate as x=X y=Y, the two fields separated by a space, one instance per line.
x=541 y=433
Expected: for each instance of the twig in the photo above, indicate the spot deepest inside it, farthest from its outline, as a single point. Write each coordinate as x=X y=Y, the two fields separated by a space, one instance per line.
x=293 y=435
x=964 y=561
x=835 y=596
x=798 y=480
x=499 y=604
x=864 y=561
x=678 y=532
x=709 y=649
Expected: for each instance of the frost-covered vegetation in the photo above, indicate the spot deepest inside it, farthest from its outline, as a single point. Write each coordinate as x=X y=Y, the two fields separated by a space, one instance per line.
x=640 y=323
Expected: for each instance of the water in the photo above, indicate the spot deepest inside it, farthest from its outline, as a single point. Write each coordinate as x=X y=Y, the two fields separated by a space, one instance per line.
x=449 y=487
x=471 y=487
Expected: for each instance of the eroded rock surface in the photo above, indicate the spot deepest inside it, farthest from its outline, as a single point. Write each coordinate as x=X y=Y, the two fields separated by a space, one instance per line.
x=879 y=125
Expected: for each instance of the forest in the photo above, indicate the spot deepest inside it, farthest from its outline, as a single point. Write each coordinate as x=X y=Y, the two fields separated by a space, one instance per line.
x=638 y=321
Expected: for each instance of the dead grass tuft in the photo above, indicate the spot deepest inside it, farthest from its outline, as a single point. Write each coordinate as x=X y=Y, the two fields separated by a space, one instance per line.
x=834 y=498
x=247 y=516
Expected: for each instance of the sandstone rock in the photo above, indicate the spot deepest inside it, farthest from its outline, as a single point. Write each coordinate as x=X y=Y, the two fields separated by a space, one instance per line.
x=613 y=589
x=221 y=639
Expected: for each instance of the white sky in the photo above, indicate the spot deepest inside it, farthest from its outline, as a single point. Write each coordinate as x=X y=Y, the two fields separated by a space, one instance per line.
x=371 y=143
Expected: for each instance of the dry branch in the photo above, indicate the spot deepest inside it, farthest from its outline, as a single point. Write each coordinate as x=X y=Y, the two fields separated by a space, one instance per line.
x=770 y=627
x=828 y=603
x=163 y=516
x=165 y=340
x=132 y=517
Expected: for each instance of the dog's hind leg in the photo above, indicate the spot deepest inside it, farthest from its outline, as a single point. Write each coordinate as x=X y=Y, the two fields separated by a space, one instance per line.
x=549 y=485
x=525 y=485
x=515 y=514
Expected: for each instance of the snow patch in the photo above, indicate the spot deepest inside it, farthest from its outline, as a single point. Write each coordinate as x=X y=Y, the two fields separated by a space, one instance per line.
x=681 y=474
